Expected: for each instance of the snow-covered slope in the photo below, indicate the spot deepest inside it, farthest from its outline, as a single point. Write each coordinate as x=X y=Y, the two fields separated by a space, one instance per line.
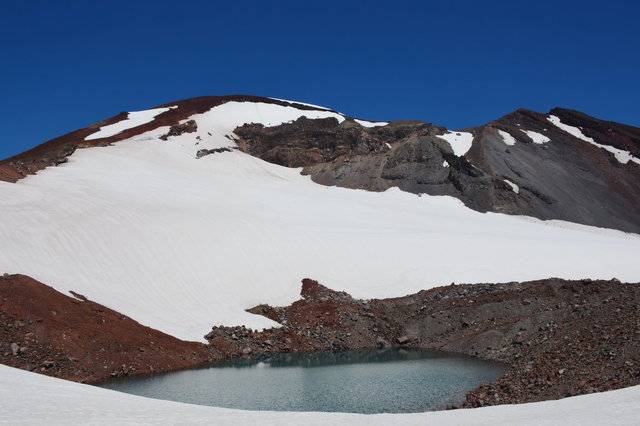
x=181 y=244
x=32 y=399
x=215 y=127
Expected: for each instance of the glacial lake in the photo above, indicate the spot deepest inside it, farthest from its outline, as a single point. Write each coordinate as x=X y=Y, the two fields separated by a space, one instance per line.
x=368 y=381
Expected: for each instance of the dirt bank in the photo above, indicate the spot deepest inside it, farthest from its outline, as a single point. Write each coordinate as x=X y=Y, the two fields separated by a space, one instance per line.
x=48 y=332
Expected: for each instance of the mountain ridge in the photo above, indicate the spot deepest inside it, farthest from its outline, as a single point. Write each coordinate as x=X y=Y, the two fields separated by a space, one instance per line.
x=560 y=165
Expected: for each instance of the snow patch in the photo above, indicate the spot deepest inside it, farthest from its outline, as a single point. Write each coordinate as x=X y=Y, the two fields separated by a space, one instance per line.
x=507 y=138
x=365 y=123
x=445 y=163
x=621 y=155
x=536 y=137
x=515 y=188
x=134 y=119
x=302 y=103
x=569 y=129
x=460 y=141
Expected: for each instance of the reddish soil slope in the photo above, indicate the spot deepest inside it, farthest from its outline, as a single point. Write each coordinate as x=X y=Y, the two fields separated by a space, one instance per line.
x=45 y=331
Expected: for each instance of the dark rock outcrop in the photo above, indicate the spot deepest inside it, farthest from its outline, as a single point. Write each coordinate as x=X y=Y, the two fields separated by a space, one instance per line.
x=179 y=129
x=566 y=178
x=560 y=337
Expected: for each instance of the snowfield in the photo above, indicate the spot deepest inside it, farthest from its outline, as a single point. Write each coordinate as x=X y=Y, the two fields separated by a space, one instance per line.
x=181 y=244
x=32 y=399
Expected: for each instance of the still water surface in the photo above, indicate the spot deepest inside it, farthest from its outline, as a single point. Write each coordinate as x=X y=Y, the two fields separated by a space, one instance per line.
x=370 y=381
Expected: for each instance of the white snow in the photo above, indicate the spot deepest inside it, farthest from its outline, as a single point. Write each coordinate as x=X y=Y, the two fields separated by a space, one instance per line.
x=365 y=123
x=621 y=155
x=388 y=145
x=182 y=244
x=33 y=399
x=215 y=127
x=301 y=103
x=445 y=163
x=134 y=119
x=460 y=141
x=507 y=138
x=515 y=188
x=569 y=129
x=537 y=137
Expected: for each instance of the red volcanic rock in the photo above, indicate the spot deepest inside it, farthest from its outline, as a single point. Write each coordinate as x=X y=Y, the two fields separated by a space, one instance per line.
x=45 y=331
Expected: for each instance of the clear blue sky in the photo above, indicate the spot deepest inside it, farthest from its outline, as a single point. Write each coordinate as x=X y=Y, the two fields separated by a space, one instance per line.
x=67 y=64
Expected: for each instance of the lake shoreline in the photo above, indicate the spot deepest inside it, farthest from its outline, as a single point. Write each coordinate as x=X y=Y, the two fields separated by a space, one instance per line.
x=560 y=338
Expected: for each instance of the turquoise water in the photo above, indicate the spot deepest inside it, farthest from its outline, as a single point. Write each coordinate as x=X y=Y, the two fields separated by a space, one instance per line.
x=370 y=381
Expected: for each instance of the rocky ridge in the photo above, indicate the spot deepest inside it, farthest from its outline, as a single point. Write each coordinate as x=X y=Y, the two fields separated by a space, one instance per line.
x=559 y=337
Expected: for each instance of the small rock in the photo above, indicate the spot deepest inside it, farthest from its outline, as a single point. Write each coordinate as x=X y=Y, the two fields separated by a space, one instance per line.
x=48 y=364
x=381 y=343
x=15 y=349
x=403 y=340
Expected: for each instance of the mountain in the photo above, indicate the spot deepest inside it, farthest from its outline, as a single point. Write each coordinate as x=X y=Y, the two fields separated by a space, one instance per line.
x=200 y=217
x=561 y=165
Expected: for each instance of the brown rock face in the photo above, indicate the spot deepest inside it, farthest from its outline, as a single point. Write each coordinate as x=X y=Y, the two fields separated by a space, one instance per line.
x=306 y=142
x=47 y=332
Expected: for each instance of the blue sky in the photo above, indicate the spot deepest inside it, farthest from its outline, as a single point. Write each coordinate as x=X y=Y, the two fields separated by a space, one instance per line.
x=68 y=64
